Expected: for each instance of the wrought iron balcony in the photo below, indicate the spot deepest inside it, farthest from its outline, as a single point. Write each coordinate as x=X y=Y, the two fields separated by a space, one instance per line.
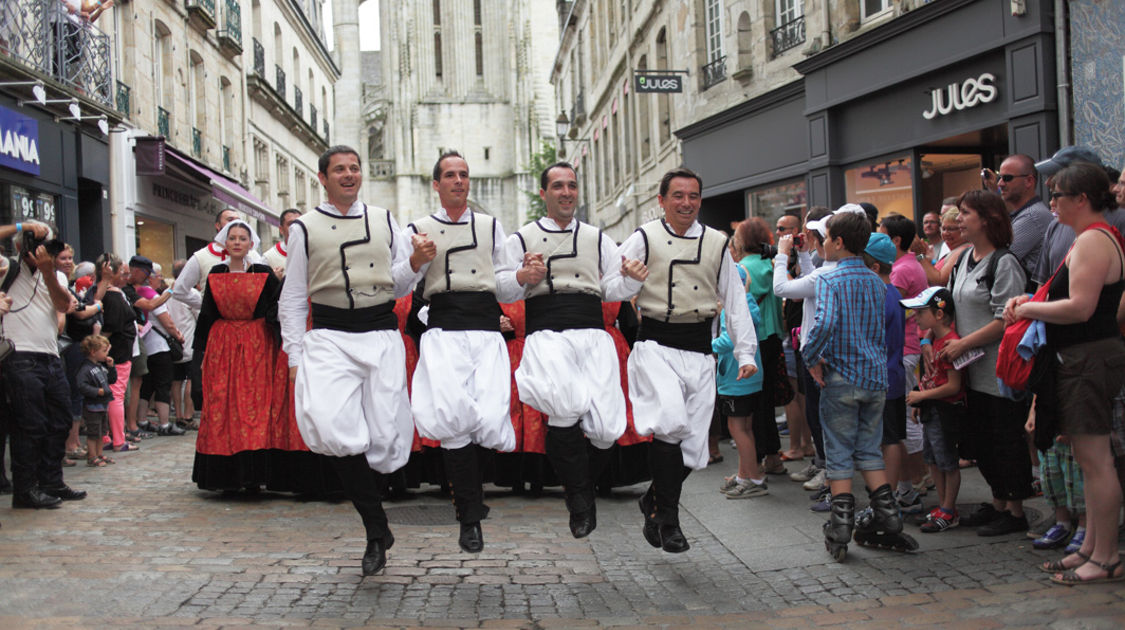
x=280 y=85
x=226 y=158
x=196 y=142
x=788 y=35
x=123 y=98
x=298 y=101
x=259 y=58
x=201 y=12
x=163 y=122
x=714 y=72
x=382 y=169
x=230 y=35
x=312 y=115
x=38 y=35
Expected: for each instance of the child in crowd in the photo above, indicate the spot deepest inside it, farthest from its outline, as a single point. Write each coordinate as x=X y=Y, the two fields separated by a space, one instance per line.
x=940 y=401
x=94 y=378
x=847 y=356
x=879 y=256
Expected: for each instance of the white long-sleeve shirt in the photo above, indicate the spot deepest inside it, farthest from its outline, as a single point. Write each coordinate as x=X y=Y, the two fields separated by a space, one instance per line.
x=504 y=267
x=801 y=288
x=293 y=305
x=731 y=291
x=190 y=276
x=608 y=250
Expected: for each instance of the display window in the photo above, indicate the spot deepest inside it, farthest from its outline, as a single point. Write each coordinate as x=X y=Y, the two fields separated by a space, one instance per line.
x=156 y=240
x=888 y=184
x=770 y=202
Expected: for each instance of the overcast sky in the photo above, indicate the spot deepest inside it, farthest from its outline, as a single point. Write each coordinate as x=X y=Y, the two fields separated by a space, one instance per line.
x=368 y=25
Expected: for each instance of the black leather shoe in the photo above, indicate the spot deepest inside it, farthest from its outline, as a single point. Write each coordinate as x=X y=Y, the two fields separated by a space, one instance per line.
x=471 y=540
x=651 y=529
x=66 y=493
x=375 y=557
x=582 y=523
x=35 y=498
x=672 y=539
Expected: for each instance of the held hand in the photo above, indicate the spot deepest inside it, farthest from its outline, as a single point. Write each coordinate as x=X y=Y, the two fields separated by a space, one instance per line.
x=953 y=350
x=40 y=230
x=101 y=391
x=918 y=246
x=1011 y=312
x=506 y=324
x=292 y=374
x=927 y=359
x=785 y=244
x=817 y=373
x=634 y=269
x=43 y=261
x=5 y=303
x=988 y=179
x=109 y=361
x=73 y=306
x=424 y=251
x=914 y=397
x=533 y=270
x=746 y=371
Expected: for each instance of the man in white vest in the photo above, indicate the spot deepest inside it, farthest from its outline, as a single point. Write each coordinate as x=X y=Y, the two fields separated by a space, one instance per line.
x=680 y=271
x=277 y=256
x=200 y=263
x=349 y=371
x=568 y=260
x=461 y=386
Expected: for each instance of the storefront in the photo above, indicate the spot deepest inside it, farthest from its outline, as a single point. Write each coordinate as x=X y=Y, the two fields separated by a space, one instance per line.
x=170 y=201
x=900 y=116
x=54 y=172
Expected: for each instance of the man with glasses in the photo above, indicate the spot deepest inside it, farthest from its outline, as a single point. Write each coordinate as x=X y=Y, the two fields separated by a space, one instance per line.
x=1017 y=182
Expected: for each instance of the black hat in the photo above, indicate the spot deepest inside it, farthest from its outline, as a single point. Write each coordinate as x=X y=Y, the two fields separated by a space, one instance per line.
x=1064 y=157
x=140 y=262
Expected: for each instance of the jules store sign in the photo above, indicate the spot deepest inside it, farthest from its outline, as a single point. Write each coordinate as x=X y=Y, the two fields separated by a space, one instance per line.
x=19 y=141
x=960 y=96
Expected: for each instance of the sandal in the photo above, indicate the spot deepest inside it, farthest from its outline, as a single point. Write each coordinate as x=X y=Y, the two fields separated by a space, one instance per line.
x=67 y=463
x=78 y=454
x=714 y=459
x=96 y=462
x=105 y=459
x=1071 y=577
x=790 y=456
x=1056 y=566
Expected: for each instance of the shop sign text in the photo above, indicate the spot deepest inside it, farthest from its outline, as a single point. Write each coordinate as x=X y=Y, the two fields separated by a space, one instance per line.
x=19 y=141
x=177 y=197
x=961 y=96
x=658 y=83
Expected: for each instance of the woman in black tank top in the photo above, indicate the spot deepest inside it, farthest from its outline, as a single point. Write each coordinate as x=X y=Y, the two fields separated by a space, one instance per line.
x=1081 y=324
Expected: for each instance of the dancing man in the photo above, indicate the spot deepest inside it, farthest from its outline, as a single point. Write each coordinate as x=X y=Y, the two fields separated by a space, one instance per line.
x=461 y=389
x=567 y=260
x=350 y=368
x=671 y=369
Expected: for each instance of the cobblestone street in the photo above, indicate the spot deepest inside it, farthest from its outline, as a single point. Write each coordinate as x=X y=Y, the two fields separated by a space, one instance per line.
x=149 y=549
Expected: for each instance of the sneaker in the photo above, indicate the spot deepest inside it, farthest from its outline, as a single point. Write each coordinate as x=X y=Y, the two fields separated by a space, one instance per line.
x=1053 y=538
x=728 y=483
x=169 y=429
x=806 y=473
x=943 y=521
x=983 y=515
x=145 y=425
x=820 y=493
x=823 y=505
x=910 y=502
x=1003 y=524
x=817 y=481
x=1076 y=540
x=747 y=490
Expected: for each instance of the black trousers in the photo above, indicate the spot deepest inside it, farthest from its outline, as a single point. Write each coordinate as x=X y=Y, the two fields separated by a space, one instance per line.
x=39 y=418
x=364 y=487
x=767 y=441
x=158 y=381
x=992 y=433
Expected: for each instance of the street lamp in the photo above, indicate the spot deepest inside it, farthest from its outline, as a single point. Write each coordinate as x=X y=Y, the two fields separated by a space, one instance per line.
x=563 y=128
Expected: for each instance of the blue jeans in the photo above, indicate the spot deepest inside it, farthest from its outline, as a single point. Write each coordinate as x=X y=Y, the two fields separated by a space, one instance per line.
x=852 y=420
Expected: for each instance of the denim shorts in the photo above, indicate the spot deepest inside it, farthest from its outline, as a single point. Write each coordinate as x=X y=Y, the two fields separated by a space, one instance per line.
x=852 y=421
x=939 y=428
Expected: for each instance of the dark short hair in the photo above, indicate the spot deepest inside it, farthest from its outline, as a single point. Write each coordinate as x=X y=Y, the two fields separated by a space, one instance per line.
x=1027 y=162
x=219 y=214
x=872 y=216
x=754 y=233
x=1088 y=179
x=54 y=247
x=288 y=212
x=795 y=215
x=990 y=206
x=949 y=201
x=241 y=226
x=678 y=172
x=326 y=157
x=177 y=267
x=852 y=228
x=444 y=154
x=543 y=175
x=900 y=226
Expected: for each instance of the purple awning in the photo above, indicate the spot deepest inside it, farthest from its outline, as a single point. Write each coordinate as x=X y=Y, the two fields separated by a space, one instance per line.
x=223 y=189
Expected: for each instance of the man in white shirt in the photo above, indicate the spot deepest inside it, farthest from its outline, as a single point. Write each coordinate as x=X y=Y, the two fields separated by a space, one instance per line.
x=277 y=255
x=680 y=270
x=349 y=371
x=34 y=376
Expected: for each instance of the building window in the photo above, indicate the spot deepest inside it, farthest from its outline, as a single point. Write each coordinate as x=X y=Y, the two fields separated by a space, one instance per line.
x=437 y=39
x=871 y=9
x=643 y=115
x=772 y=201
x=487 y=152
x=282 y=177
x=663 y=106
x=299 y=190
x=714 y=29
x=888 y=184
x=478 y=46
x=790 y=30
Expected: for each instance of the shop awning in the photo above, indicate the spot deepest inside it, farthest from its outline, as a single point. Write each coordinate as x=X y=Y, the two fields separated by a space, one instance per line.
x=149 y=152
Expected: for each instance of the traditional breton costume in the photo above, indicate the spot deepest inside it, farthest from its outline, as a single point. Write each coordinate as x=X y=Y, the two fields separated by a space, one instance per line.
x=570 y=369
x=350 y=393
x=276 y=256
x=460 y=389
x=671 y=368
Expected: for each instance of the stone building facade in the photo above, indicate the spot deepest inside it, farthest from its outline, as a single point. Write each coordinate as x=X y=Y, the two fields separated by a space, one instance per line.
x=223 y=103
x=469 y=75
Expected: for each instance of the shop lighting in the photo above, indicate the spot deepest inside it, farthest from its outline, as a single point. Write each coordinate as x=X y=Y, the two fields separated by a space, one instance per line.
x=103 y=122
x=37 y=89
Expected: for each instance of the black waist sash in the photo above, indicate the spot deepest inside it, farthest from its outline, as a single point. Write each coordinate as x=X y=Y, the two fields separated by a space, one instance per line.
x=563 y=311
x=355 y=320
x=691 y=337
x=464 y=310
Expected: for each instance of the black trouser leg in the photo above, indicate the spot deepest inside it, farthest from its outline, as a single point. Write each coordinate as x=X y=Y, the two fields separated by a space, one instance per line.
x=364 y=487
x=598 y=460
x=668 y=473
x=566 y=449
x=463 y=470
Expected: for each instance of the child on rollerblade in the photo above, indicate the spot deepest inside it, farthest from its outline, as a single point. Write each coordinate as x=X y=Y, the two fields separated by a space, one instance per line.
x=847 y=356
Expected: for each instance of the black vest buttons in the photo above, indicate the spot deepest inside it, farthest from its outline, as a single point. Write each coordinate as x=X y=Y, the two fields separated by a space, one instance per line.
x=472 y=271
x=669 y=242
x=695 y=288
x=370 y=264
x=441 y=231
x=576 y=275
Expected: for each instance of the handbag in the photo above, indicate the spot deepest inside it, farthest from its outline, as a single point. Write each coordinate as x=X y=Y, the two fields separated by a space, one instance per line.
x=782 y=392
x=174 y=346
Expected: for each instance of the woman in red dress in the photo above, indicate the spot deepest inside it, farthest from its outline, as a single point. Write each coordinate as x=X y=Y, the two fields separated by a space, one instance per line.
x=628 y=462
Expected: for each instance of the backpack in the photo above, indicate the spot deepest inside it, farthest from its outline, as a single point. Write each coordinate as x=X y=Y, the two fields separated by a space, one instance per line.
x=989 y=278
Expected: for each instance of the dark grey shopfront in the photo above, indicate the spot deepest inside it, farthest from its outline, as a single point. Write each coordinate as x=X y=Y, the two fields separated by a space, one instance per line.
x=901 y=116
